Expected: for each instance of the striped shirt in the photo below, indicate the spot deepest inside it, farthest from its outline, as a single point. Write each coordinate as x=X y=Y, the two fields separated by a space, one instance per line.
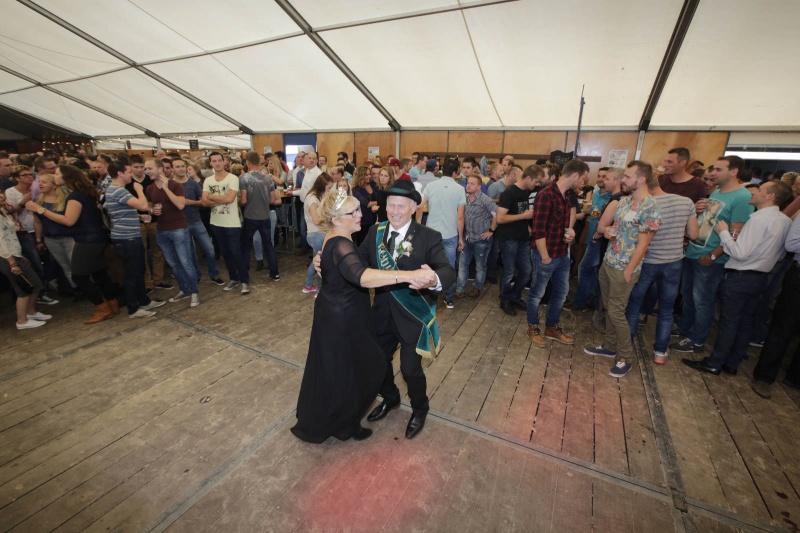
x=667 y=243
x=124 y=218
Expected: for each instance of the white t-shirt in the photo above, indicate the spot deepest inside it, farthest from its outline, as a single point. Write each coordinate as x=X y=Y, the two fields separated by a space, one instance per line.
x=25 y=217
x=225 y=215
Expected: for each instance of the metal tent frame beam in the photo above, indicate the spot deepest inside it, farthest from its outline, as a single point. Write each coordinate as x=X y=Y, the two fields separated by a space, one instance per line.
x=72 y=98
x=131 y=63
x=673 y=49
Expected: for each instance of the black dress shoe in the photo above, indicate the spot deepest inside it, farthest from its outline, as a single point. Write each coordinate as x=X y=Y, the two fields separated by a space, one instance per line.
x=508 y=308
x=730 y=370
x=381 y=411
x=362 y=433
x=415 y=425
x=701 y=366
x=519 y=304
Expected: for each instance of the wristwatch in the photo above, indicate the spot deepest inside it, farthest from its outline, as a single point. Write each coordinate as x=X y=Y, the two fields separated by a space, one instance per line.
x=712 y=256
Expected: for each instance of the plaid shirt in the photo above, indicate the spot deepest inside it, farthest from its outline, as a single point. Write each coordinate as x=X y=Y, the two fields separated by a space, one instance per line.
x=550 y=219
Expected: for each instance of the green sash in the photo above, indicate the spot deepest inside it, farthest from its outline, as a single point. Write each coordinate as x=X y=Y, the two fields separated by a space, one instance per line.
x=429 y=343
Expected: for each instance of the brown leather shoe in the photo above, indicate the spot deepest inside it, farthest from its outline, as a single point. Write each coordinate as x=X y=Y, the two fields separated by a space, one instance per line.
x=558 y=335
x=535 y=336
x=101 y=312
x=473 y=294
x=460 y=295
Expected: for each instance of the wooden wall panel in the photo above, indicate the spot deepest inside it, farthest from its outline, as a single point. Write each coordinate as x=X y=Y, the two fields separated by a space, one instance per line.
x=329 y=144
x=600 y=143
x=424 y=142
x=706 y=146
x=384 y=140
x=475 y=141
x=275 y=140
x=533 y=142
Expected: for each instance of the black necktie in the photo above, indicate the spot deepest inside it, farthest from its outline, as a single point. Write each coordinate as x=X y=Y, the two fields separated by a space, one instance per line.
x=392 y=238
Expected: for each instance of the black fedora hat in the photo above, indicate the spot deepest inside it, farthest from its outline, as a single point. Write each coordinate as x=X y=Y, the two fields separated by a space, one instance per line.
x=403 y=188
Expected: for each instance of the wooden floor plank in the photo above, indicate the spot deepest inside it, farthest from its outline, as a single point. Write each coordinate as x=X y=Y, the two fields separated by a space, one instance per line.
x=579 y=415
x=643 y=455
x=609 y=431
x=548 y=425
x=78 y=469
x=775 y=490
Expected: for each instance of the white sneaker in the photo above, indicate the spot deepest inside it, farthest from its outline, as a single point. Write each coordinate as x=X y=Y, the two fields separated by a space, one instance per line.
x=142 y=313
x=152 y=305
x=232 y=285
x=39 y=316
x=245 y=288
x=178 y=297
x=31 y=324
x=660 y=358
x=195 y=300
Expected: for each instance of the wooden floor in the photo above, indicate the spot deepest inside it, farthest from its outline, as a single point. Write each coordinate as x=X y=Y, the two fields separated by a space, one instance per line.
x=104 y=428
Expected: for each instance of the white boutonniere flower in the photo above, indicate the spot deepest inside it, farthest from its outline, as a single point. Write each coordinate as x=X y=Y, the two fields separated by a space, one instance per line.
x=405 y=248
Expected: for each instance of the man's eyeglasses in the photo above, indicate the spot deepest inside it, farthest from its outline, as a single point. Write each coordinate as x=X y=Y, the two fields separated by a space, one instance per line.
x=353 y=213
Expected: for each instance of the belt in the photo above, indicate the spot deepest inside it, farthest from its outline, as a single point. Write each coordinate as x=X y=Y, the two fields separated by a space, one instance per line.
x=743 y=272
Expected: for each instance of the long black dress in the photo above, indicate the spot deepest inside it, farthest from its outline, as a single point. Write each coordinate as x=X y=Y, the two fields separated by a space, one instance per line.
x=345 y=366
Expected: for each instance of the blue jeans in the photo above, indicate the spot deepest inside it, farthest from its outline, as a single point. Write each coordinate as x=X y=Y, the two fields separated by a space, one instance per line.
x=264 y=229
x=494 y=253
x=451 y=251
x=199 y=233
x=666 y=277
x=740 y=294
x=230 y=246
x=557 y=272
x=176 y=245
x=516 y=259
x=588 y=272
x=479 y=250
x=258 y=245
x=699 y=286
x=315 y=240
x=131 y=251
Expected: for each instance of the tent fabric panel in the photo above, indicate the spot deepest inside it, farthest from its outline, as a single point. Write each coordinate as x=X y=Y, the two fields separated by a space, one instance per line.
x=535 y=71
x=9 y=82
x=448 y=91
x=297 y=77
x=131 y=95
x=154 y=29
x=319 y=14
x=61 y=111
x=733 y=70
x=43 y=50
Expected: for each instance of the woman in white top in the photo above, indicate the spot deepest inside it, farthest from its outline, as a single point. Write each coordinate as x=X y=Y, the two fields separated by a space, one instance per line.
x=315 y=234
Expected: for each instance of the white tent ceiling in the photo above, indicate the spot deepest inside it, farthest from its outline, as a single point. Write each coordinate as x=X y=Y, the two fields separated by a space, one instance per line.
x=111 y=68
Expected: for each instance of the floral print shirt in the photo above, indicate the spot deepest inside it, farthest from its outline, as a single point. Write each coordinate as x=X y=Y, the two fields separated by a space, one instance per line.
x=631 y=219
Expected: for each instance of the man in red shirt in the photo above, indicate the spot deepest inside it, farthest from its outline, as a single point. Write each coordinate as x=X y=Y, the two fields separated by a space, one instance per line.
x=550 y=239
x=676 y=179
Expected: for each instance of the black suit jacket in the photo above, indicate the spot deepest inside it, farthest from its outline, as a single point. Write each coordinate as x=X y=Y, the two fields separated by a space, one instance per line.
x=427 y=249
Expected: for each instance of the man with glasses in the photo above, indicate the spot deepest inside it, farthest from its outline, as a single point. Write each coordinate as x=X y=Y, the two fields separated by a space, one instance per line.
x=18 y=196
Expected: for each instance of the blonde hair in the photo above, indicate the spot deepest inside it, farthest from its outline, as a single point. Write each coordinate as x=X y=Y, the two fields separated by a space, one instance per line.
x=327 y=207
x=61 y=194
x=388 y=186
x=237 y=169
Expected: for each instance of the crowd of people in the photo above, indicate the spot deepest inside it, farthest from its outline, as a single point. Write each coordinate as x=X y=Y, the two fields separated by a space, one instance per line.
x=687 y=242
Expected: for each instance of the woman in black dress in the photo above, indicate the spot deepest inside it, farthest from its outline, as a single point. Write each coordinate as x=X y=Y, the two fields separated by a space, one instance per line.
x=345 y=366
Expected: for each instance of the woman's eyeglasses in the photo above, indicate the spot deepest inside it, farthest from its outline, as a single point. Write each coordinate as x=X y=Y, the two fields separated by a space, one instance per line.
x=356 y=211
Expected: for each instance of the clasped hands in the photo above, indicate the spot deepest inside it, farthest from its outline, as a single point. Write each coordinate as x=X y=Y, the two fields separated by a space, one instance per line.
x=424 y=278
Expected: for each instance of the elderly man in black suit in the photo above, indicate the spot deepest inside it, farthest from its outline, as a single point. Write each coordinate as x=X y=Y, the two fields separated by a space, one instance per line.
x=403 y=315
